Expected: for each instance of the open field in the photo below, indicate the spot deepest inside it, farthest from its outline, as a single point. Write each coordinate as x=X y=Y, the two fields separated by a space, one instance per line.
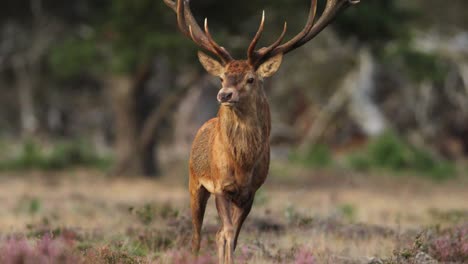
x=299 y=216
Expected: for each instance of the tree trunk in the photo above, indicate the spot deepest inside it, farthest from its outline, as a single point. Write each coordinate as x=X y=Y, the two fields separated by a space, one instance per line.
x=24 y=86
x=143 y=110
x=130 y=158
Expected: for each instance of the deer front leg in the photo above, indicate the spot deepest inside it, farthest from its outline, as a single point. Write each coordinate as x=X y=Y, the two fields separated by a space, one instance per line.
x=198 y=199
x=239 y=214
x=225 y=235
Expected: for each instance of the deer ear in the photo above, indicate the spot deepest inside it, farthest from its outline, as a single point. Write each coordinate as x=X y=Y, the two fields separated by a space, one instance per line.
x=269 y=67
x=211 y=65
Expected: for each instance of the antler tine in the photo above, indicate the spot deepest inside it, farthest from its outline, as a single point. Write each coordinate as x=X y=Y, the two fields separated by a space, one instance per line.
x=331 y=10
x=181 y=22
x=190 y=28
x=275 y=44
x=184 y=15
x=220 y=51
x=197 y=41
x=171 y=4
x=309 y=31
x=251 y=54
x=183 y=25
x=258 y=55
x=309 y=25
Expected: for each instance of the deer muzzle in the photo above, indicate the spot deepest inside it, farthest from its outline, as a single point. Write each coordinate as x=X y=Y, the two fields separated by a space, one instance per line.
x=228 y=96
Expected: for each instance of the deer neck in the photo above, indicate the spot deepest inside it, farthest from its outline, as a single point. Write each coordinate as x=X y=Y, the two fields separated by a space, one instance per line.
x=245 y=129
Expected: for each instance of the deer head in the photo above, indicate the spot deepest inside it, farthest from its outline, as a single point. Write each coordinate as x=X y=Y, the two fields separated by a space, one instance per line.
x=241 y=82
x=242 y=79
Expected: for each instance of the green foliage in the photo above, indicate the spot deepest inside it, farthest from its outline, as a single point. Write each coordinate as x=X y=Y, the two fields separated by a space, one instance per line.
x=375 y=22
x=295 y=218
x=452 y=216
x=141 y=29
x=390 y=152
x=166 y=211
x=261 y=198
x=146 y=214
x=149 y=212
x=29 y=157
x=290 y=213
x=317 y=156
x=76 y=153
x=34 y=206
x=121 y=37
x=29 y=205
x=348 y=211
x=135 y=248
x=115 y=256
x=60 y=156
x=417 y=64
x=151 y=240
x=73 y=57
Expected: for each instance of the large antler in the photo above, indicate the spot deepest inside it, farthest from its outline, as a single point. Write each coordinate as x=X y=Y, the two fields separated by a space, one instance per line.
x=311 y=29
x=189 y=26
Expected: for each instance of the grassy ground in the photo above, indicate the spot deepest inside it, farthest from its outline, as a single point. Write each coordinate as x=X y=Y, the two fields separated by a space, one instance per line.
x=299 y=216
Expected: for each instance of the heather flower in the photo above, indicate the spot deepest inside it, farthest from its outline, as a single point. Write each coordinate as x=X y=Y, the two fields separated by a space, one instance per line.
x=304 y=256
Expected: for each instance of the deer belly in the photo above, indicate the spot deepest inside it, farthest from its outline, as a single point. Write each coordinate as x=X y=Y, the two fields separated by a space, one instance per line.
x=210 y=186
x=226 y=187
x=238 y=192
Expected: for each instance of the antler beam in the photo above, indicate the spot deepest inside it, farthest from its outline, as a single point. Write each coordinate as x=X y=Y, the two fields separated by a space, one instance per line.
x=311 y=29
x=189 y=26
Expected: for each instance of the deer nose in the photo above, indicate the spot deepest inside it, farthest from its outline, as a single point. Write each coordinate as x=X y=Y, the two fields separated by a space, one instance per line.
x=224 y=97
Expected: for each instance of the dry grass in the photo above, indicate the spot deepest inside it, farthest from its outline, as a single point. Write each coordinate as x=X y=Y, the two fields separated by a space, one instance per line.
x=336 y=216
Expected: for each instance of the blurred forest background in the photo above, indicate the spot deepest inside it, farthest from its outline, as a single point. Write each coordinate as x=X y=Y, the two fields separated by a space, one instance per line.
x=115 y=85
x=369 y=133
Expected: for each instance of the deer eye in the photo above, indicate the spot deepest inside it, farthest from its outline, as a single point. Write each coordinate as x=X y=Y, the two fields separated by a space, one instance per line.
x=250 y=80
x=221 y=79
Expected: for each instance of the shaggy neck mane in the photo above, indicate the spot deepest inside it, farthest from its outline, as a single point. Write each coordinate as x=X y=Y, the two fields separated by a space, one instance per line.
x=246 y=130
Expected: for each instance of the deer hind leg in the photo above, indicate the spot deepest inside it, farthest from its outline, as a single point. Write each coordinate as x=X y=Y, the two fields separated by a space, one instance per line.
x=225 y=235
x=198 y=199
x=239 y=214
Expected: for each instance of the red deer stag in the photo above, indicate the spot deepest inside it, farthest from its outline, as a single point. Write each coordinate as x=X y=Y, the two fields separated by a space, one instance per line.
x=231 y=153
